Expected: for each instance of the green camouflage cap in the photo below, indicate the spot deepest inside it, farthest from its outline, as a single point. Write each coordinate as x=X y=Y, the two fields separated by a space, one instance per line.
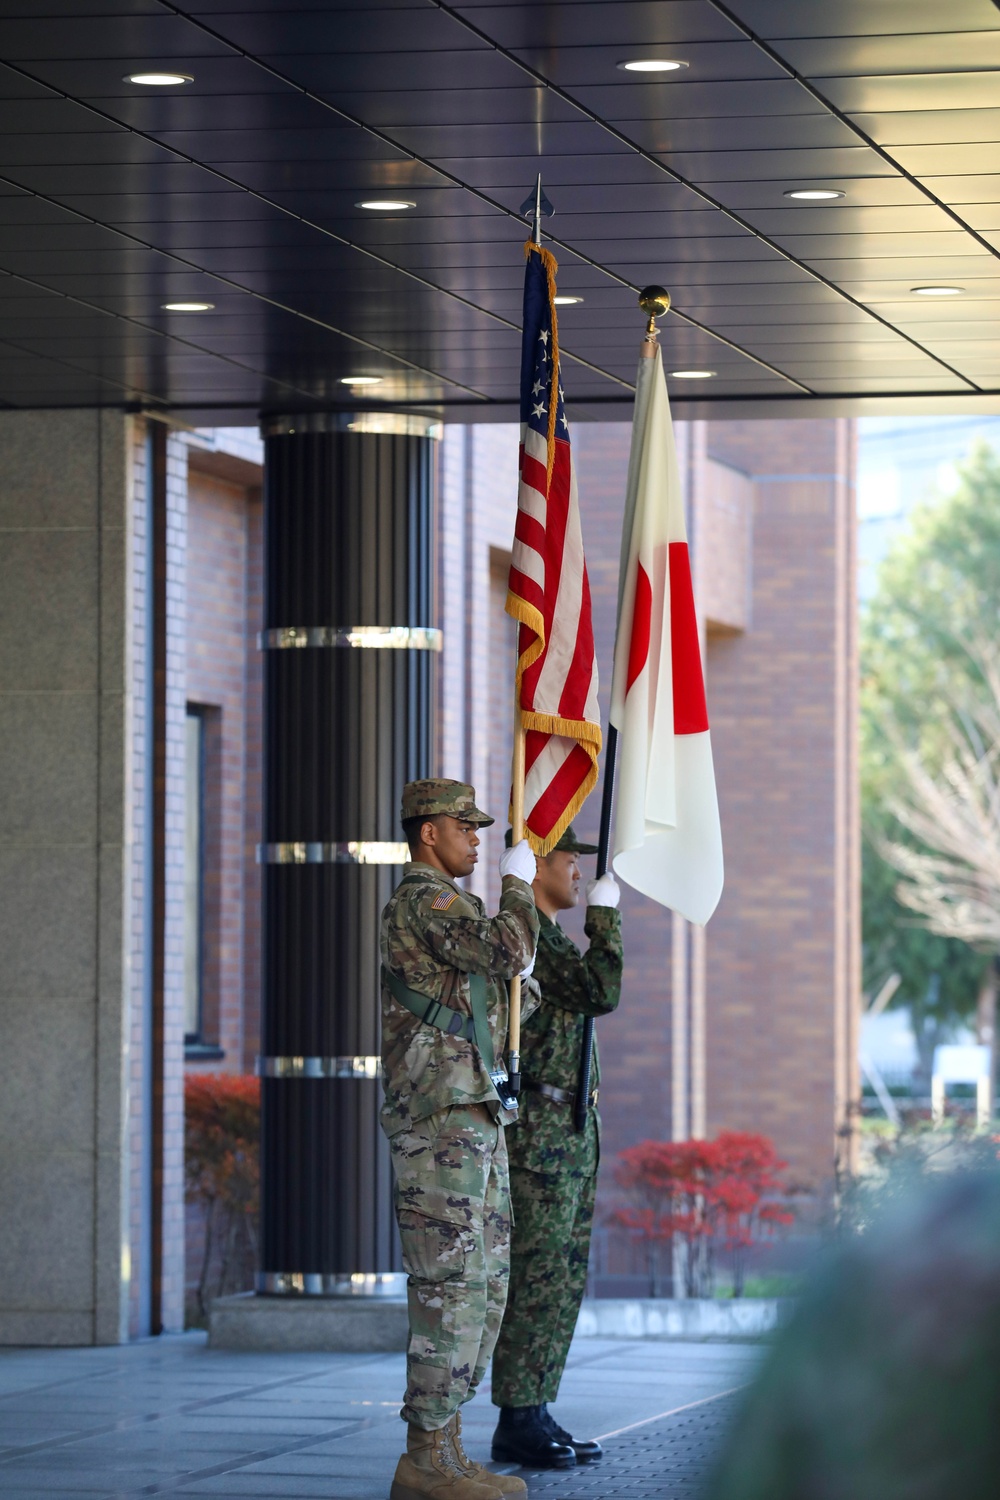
x=569 y=843
x=425 y=799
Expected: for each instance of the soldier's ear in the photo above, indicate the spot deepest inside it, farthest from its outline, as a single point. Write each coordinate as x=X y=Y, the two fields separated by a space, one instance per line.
x=428 y=837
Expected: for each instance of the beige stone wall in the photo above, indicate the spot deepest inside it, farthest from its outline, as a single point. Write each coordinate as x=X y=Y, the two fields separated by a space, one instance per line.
x=64 y=714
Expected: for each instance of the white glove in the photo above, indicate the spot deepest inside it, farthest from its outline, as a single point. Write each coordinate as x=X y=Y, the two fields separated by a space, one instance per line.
x=604 y=891
x=520 y=861
x=527 y=973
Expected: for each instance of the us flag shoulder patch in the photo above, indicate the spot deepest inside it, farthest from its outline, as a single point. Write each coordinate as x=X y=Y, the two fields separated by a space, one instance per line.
x=442 y=902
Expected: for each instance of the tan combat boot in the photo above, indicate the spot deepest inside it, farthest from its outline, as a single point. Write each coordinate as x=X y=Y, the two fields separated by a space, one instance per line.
x=507 y=1484
x=430 y=1470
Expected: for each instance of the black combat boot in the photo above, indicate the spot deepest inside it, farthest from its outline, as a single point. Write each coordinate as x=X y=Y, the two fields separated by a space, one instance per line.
x=523 y=1438
x=586 y=1450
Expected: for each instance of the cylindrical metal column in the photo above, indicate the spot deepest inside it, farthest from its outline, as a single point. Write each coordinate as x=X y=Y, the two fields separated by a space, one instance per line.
x=349 y=643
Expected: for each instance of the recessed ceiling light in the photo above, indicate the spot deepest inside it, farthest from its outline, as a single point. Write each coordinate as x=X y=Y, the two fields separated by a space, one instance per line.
x=815 y=195
x=361 y=380
x=159 y=80
x=937 y=291
x=561 y=301
x=187 y=306
x=652 y=65
x=385 y=205
x=691 y=374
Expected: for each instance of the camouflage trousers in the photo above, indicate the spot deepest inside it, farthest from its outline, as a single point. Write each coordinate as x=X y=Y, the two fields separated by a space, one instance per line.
x=553 y=1215
x=452 y=1200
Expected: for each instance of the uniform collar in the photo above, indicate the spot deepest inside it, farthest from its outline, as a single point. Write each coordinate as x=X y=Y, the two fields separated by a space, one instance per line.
x=417 y=867
x=546 y=921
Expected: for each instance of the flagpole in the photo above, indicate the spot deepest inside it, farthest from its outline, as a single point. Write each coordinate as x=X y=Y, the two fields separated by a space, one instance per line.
x=517 y=833
x=654 y=301
x=517 y=783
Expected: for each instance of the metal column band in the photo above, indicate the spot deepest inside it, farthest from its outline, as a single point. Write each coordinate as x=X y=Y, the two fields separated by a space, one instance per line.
x=363 y=637
x=318 y=1067
x=353 y=852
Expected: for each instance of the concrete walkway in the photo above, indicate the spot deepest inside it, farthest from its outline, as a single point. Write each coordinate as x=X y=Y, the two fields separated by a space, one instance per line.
x=171 y=1417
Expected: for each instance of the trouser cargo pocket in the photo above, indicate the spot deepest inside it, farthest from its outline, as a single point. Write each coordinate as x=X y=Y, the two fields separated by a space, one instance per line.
x=433 y=1249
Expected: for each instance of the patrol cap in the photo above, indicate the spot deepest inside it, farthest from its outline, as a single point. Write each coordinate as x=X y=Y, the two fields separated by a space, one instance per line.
x=569 y=843
x=456 y=799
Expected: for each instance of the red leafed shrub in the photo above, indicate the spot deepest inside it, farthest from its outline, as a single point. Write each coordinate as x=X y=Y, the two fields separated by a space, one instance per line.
x=716 y=1195
x=222 y=1171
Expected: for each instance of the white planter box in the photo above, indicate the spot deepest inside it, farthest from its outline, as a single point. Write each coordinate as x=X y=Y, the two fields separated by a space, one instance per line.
x=695 y=1318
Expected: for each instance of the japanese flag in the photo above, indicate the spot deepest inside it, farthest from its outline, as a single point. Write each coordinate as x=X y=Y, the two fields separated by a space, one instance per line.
x=668 y=843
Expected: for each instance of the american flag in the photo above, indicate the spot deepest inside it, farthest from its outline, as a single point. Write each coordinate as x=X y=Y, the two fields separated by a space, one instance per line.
x=548 y=592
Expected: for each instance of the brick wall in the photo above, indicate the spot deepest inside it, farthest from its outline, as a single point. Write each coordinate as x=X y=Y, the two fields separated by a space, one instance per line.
x=225 y=680
x=213 y=596
x=217 y=660
x=782 y=976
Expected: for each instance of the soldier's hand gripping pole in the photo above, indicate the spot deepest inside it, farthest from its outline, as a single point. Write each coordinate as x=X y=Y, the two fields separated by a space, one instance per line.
x=517 y=834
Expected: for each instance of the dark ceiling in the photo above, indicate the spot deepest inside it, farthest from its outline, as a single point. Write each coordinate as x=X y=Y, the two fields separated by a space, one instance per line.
x=240 y=189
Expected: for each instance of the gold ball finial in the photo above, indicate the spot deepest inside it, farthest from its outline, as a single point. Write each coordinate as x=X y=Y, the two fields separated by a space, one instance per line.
x=654 y=301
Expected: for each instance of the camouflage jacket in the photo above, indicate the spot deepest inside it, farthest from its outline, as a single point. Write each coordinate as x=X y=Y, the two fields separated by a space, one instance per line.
x=573 y=986
x=433 y=936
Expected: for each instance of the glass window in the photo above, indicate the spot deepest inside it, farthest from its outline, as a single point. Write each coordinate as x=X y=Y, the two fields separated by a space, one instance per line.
x=194 y=883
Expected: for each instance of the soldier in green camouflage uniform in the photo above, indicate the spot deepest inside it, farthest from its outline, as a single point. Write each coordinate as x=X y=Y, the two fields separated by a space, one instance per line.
x=553 y=1169
x=445 y=1124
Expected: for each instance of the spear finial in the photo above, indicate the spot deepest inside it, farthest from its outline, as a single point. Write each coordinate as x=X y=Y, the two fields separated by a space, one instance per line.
x=536 y=205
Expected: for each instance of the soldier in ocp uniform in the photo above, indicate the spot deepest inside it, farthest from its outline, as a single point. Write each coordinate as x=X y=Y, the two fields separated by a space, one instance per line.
x=553 y=1169
x=444 y=1027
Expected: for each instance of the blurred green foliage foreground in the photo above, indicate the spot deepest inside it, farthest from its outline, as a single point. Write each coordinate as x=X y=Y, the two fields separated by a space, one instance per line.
x=885 y=1385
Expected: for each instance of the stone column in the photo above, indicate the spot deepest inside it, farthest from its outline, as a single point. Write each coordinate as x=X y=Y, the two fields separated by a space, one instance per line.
x=350 y=645
x=64 y=726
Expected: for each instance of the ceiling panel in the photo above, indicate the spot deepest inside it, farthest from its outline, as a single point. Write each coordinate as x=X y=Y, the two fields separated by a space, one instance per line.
x=928 y=52
x=241 y=189
x=857 y=223
x=741 y=99
x=864 y=246
x=806 y=18
x=798 y=168
x=913 y=91
x=923 y=127
x=972 y=188
x=947 y=160
x=577 y=67
x=581 y=23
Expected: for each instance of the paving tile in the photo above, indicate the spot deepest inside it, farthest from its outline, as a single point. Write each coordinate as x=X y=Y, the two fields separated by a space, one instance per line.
x=16 y=1485
x=85 y=1481
x=170 y=1417
x=305 y=1465
x=196 y=1422
x=285 y=1487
